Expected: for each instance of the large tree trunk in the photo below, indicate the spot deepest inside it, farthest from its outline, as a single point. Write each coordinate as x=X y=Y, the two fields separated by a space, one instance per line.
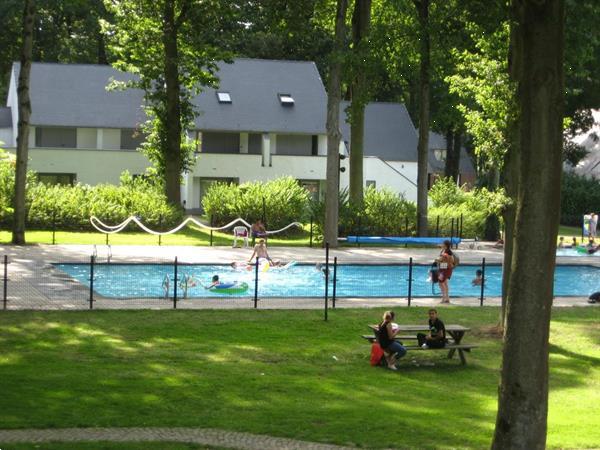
x=453 y=144
x=361 y=19
x=538 y=60
x=423 y=145
x=18 y=235
x=173 y=116
x=333 y=127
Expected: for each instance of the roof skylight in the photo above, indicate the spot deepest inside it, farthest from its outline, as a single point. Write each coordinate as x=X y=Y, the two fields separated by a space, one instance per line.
x=286 y=99
x=224 y=97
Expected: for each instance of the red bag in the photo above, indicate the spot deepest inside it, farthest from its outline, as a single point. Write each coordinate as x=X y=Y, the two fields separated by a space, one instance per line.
x=376 y=354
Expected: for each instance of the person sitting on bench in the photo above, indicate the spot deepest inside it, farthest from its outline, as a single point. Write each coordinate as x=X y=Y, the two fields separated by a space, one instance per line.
x=385 y=336
x=437 y=332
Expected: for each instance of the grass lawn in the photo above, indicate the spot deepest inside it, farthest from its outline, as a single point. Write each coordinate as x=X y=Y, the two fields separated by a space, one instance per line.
x=280 y=373
x=110 y=446
x=191 y=235
x=569 y=232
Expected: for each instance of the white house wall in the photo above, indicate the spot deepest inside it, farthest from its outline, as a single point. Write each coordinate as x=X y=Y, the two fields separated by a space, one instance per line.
x=398 y=176
x=91 y=166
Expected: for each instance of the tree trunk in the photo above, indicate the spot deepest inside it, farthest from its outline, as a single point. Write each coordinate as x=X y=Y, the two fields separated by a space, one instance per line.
x=537 y=53
x=423 y=145
x=173 y=107
x=333 y=127
x=361 y=19
x=19 y=203
x=453 y=144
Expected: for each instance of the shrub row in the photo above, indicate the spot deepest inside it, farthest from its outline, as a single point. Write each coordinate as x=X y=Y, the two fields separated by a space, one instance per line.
x=579 y=196
x=280 y=202
x=70 y=207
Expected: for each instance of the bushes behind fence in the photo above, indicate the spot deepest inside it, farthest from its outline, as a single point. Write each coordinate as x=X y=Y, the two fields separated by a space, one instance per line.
x=70 y=207
x=281 y=202
x=579 y=195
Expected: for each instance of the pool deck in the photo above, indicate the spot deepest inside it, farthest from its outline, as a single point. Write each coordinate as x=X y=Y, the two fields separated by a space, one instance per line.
x=30 y=275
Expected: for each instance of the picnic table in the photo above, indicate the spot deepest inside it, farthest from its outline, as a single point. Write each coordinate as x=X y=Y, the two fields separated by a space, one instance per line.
x=456 y=333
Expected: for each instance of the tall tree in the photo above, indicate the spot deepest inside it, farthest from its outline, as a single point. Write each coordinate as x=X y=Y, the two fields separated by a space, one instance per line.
x=18 y=234
x=422 y=7
x=359 y=90
x=333 y=126
x=165 y=43
x=536 y=64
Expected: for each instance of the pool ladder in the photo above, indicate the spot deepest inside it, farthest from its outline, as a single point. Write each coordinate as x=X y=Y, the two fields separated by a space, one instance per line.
x=108 y=253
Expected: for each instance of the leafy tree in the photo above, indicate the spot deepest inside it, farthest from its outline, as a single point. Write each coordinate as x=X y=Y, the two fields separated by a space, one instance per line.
x=537 y=46
x=166 y=44
x=65 y=31
x=359 y=91
x=333 y=129
x=18 y=234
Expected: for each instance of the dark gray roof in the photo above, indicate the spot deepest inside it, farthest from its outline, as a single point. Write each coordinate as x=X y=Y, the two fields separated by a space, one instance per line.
x=5 y=117
x=75 y=95
x=254 y=85
x=437 y=141
x=389 y=131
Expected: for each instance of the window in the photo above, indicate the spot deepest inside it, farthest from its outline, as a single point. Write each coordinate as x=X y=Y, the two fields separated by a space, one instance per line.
x=66 y=179
x=371 y=183
x=312 y=186
x=286 y=99
x=440 y=154
x=315 y=145
x=224 y=97
x=56 y=137
x=131 y=139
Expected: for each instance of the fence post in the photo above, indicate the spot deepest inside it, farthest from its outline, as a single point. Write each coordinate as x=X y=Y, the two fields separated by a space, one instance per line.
x=160 y=229
x=5 y=285
x=406 y=227
x=482 y=281
x=311 y=232
x=92 y=260
x=53 y=227
x=175 y=284
x=326 y=277
x=410 y=277
x=211 y=230
x=437 y=227
x=256 y=284
x=461 y=228
x=334 y=281
x=357 y=231
x=106 y=238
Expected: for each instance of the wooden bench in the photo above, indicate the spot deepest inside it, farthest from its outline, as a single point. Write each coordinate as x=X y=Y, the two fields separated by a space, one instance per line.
x=456 y=333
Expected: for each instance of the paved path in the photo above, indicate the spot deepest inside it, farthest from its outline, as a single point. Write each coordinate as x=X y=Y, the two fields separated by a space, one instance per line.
x=203 y=436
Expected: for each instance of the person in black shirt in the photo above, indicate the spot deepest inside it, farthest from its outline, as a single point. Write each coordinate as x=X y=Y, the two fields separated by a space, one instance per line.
x=436 y=338
x=386 y=337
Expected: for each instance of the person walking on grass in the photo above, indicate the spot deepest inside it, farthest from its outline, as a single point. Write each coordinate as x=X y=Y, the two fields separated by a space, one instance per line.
x=386 y=335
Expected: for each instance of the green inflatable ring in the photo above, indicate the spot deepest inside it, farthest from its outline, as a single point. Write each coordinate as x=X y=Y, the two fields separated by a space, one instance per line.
x=231 y=288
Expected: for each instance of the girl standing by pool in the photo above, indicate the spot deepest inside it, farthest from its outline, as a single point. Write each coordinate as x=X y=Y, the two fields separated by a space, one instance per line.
x=445 y=264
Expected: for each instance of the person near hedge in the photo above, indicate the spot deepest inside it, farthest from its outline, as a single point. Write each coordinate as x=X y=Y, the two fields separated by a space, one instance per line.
x=386 y=334
x=436 y=338
x=258 y=230
x=445 y=265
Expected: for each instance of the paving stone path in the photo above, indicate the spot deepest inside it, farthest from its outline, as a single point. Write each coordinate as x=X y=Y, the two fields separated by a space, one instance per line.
x=203 y=436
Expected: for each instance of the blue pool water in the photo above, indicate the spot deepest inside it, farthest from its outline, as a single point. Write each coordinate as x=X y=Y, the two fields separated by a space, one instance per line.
x=146 y=280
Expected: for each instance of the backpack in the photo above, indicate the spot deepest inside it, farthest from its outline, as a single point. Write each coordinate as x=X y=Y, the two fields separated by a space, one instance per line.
x=456 y=259
x=376 y=354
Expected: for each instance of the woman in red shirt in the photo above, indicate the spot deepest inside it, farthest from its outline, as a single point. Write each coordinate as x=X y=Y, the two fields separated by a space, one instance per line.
x=445 y=264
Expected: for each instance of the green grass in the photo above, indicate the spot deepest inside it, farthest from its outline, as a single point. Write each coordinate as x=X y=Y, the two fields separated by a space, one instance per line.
x=569 y=232
x=191 y=235
x=110 y=446
x=274 y=373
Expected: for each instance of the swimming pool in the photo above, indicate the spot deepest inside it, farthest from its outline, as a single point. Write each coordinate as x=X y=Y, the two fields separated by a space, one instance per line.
x=146 y=280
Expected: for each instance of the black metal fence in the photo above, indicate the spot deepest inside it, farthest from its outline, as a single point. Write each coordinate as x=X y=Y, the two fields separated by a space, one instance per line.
x=100 y=282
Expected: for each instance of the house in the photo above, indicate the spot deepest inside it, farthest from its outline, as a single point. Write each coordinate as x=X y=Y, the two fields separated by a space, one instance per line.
x=589 y=166
x=265 y=120
x=437 y=161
